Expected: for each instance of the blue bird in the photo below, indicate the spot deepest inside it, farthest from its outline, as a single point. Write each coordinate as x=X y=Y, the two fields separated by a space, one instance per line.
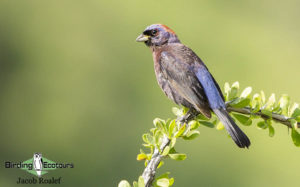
x=185 y=79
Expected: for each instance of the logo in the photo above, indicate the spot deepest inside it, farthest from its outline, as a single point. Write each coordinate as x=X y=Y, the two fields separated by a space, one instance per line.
x=38 y=166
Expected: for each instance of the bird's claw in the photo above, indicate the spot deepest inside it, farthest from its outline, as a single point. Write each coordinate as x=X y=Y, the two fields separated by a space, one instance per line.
x=191 y=114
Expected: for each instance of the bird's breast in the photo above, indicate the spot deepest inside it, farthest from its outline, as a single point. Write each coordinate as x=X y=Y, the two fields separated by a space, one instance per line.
x=156 y=59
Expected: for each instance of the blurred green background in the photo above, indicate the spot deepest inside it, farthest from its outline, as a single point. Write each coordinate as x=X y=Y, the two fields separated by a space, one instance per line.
x=77 y=87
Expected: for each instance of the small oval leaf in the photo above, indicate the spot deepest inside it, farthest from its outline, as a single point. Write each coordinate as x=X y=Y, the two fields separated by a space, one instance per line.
x=177 y=156
x=124 y=183
x=295 y=137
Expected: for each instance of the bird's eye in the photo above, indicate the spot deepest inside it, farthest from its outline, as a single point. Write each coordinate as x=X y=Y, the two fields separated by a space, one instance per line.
x=154 y=32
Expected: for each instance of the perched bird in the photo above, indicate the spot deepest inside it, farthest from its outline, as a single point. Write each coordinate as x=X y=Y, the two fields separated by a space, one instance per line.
x=185 y=79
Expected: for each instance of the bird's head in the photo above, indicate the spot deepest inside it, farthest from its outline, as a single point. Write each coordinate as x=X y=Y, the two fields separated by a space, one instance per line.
x=37 y=155
x=157 y=35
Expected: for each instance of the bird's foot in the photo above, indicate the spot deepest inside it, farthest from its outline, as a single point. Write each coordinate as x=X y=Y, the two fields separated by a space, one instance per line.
x=191 y=114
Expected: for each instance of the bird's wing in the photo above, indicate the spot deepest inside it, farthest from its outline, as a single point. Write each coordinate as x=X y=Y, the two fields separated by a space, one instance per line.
x=181 y=77
x=211 y=88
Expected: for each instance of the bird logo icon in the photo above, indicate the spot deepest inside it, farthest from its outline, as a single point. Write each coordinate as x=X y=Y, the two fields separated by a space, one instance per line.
x=38 y=163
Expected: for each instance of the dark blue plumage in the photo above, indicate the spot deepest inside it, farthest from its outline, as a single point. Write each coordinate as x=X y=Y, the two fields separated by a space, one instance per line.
x=185 y=79
x=211 y=91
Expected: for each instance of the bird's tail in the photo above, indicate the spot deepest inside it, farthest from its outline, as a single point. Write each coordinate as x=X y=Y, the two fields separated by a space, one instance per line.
x=238 y=136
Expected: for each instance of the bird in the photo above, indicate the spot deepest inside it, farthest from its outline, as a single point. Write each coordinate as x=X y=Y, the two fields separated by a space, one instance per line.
x=38 y=163
x=186 y=80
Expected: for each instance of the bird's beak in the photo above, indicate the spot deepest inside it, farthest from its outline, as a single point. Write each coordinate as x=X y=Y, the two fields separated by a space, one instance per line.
x=142 y=38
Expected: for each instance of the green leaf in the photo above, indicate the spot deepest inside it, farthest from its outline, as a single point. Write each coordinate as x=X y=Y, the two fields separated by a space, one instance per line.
x=284 y=102
x=220 y=126
x=191 y=135
x=180 y=131
x=163 y=182
x=168 y=121
x=160 y=127
x=176 y=111
x=226 y=90
x=294 y=123
x=193 y=124
x=172 y=128
x=152 y=130
x=240 y=102
x=171 y=180
x=160 y=124
x=295 y=111
x=296 y=137
x=157 y=137
x=233 y=91
x=135 y=184
x=249 y=122
x=172 y=151
x=207 y=124
x=262 y=125
x=267 y=112
x=271 y=131
x=256 y=103
x=124 y=183
x=164 y=175
x=246 y=92
x=185 y=110
x=201 y=117
x=173 y=142
x=157 y=121
x=276 y=109
x=214 y=120
x=141 y=182
x=271 y=101
x=166 y=151
x=147 y=138
x=161 y=163
x=245 y=120
x=178 y=156
x=142 y=156
x=236 y=85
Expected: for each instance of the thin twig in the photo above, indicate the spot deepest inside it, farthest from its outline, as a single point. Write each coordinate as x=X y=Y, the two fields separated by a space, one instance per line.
x=276 y=117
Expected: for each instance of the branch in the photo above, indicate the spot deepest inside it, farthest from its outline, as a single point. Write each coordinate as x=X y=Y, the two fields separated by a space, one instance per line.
x=150 y=170
x=276 y=117
x=162 y=139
